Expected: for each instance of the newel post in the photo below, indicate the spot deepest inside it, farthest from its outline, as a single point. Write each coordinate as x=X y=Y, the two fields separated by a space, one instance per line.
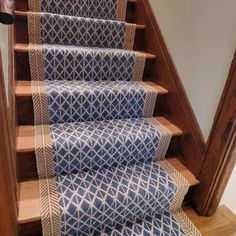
x=221 y=151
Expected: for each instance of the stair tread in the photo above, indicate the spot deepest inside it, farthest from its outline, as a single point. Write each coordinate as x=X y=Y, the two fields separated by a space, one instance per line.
x=102 y=99
x=23 y=88
x=26 y=142
x=24 y=14
x=29 y=208
x=20 y=47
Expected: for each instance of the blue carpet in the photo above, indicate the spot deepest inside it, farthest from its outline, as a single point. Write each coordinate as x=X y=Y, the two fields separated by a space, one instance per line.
x=100 y=153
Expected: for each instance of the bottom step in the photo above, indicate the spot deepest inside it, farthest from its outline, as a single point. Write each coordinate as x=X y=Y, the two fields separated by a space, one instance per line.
x=29 y=209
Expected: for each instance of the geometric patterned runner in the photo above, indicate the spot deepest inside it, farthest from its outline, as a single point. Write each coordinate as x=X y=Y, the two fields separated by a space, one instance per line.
x=100 y=153
x=101 y=200
x=63 y=101
x=82 y=146
x=56 y=62
x=102 y=9
x=164 y=224
x=46 y=28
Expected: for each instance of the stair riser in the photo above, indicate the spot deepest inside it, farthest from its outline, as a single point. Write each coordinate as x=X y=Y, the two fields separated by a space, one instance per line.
x=27 y=169
x=31 y=229
x=25 y=112
x=22 y=5
x=22 y=61
x=21 y=32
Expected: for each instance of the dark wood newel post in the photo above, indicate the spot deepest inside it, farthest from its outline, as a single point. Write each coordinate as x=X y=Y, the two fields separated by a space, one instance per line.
x=7 y=11
x=221 y=151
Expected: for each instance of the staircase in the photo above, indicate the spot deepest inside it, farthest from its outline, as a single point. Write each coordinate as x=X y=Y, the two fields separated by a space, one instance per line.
x=30 y=215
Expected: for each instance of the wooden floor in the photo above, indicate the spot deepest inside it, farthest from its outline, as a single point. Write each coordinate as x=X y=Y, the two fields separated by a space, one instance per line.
x=223 y=223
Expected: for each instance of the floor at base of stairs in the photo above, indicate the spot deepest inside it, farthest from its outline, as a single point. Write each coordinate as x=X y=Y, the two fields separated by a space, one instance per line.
x=222 y=223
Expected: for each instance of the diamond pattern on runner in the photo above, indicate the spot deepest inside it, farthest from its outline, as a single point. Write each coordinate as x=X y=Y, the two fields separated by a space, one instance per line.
x=78 y=101
x=163 y=224
x=96 y=155
x=95 y=199
x=76 y=31
x=91 y=145
x=89 y=64
x=99 y=9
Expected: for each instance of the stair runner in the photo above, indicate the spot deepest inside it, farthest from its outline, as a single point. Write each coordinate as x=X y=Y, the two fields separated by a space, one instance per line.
x=100 y=154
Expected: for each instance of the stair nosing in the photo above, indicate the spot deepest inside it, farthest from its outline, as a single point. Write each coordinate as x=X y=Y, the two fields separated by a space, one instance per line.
x=23 y=88
x=23 y=48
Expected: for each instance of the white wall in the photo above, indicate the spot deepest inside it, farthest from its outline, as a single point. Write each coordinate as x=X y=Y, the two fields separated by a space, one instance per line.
x=230 y=193
x=4 y=51
x=201 y=36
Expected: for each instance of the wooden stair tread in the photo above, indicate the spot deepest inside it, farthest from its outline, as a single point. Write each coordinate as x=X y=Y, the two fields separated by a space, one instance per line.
x=26 y=142
x=29 y=209
x=160 y=89
x=24 y=48
x=24 y=14
x=184 y=171
x=23 y=88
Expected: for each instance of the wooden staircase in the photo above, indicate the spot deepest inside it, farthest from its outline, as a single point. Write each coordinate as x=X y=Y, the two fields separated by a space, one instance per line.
x=29 y=212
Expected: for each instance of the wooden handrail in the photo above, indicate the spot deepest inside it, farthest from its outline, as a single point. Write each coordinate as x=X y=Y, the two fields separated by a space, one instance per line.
x=7 y=12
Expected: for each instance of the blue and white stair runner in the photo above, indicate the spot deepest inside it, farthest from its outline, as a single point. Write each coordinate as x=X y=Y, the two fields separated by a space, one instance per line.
x=100 y=153
x=50 y=28
x=82 y=146
x=98 y=9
